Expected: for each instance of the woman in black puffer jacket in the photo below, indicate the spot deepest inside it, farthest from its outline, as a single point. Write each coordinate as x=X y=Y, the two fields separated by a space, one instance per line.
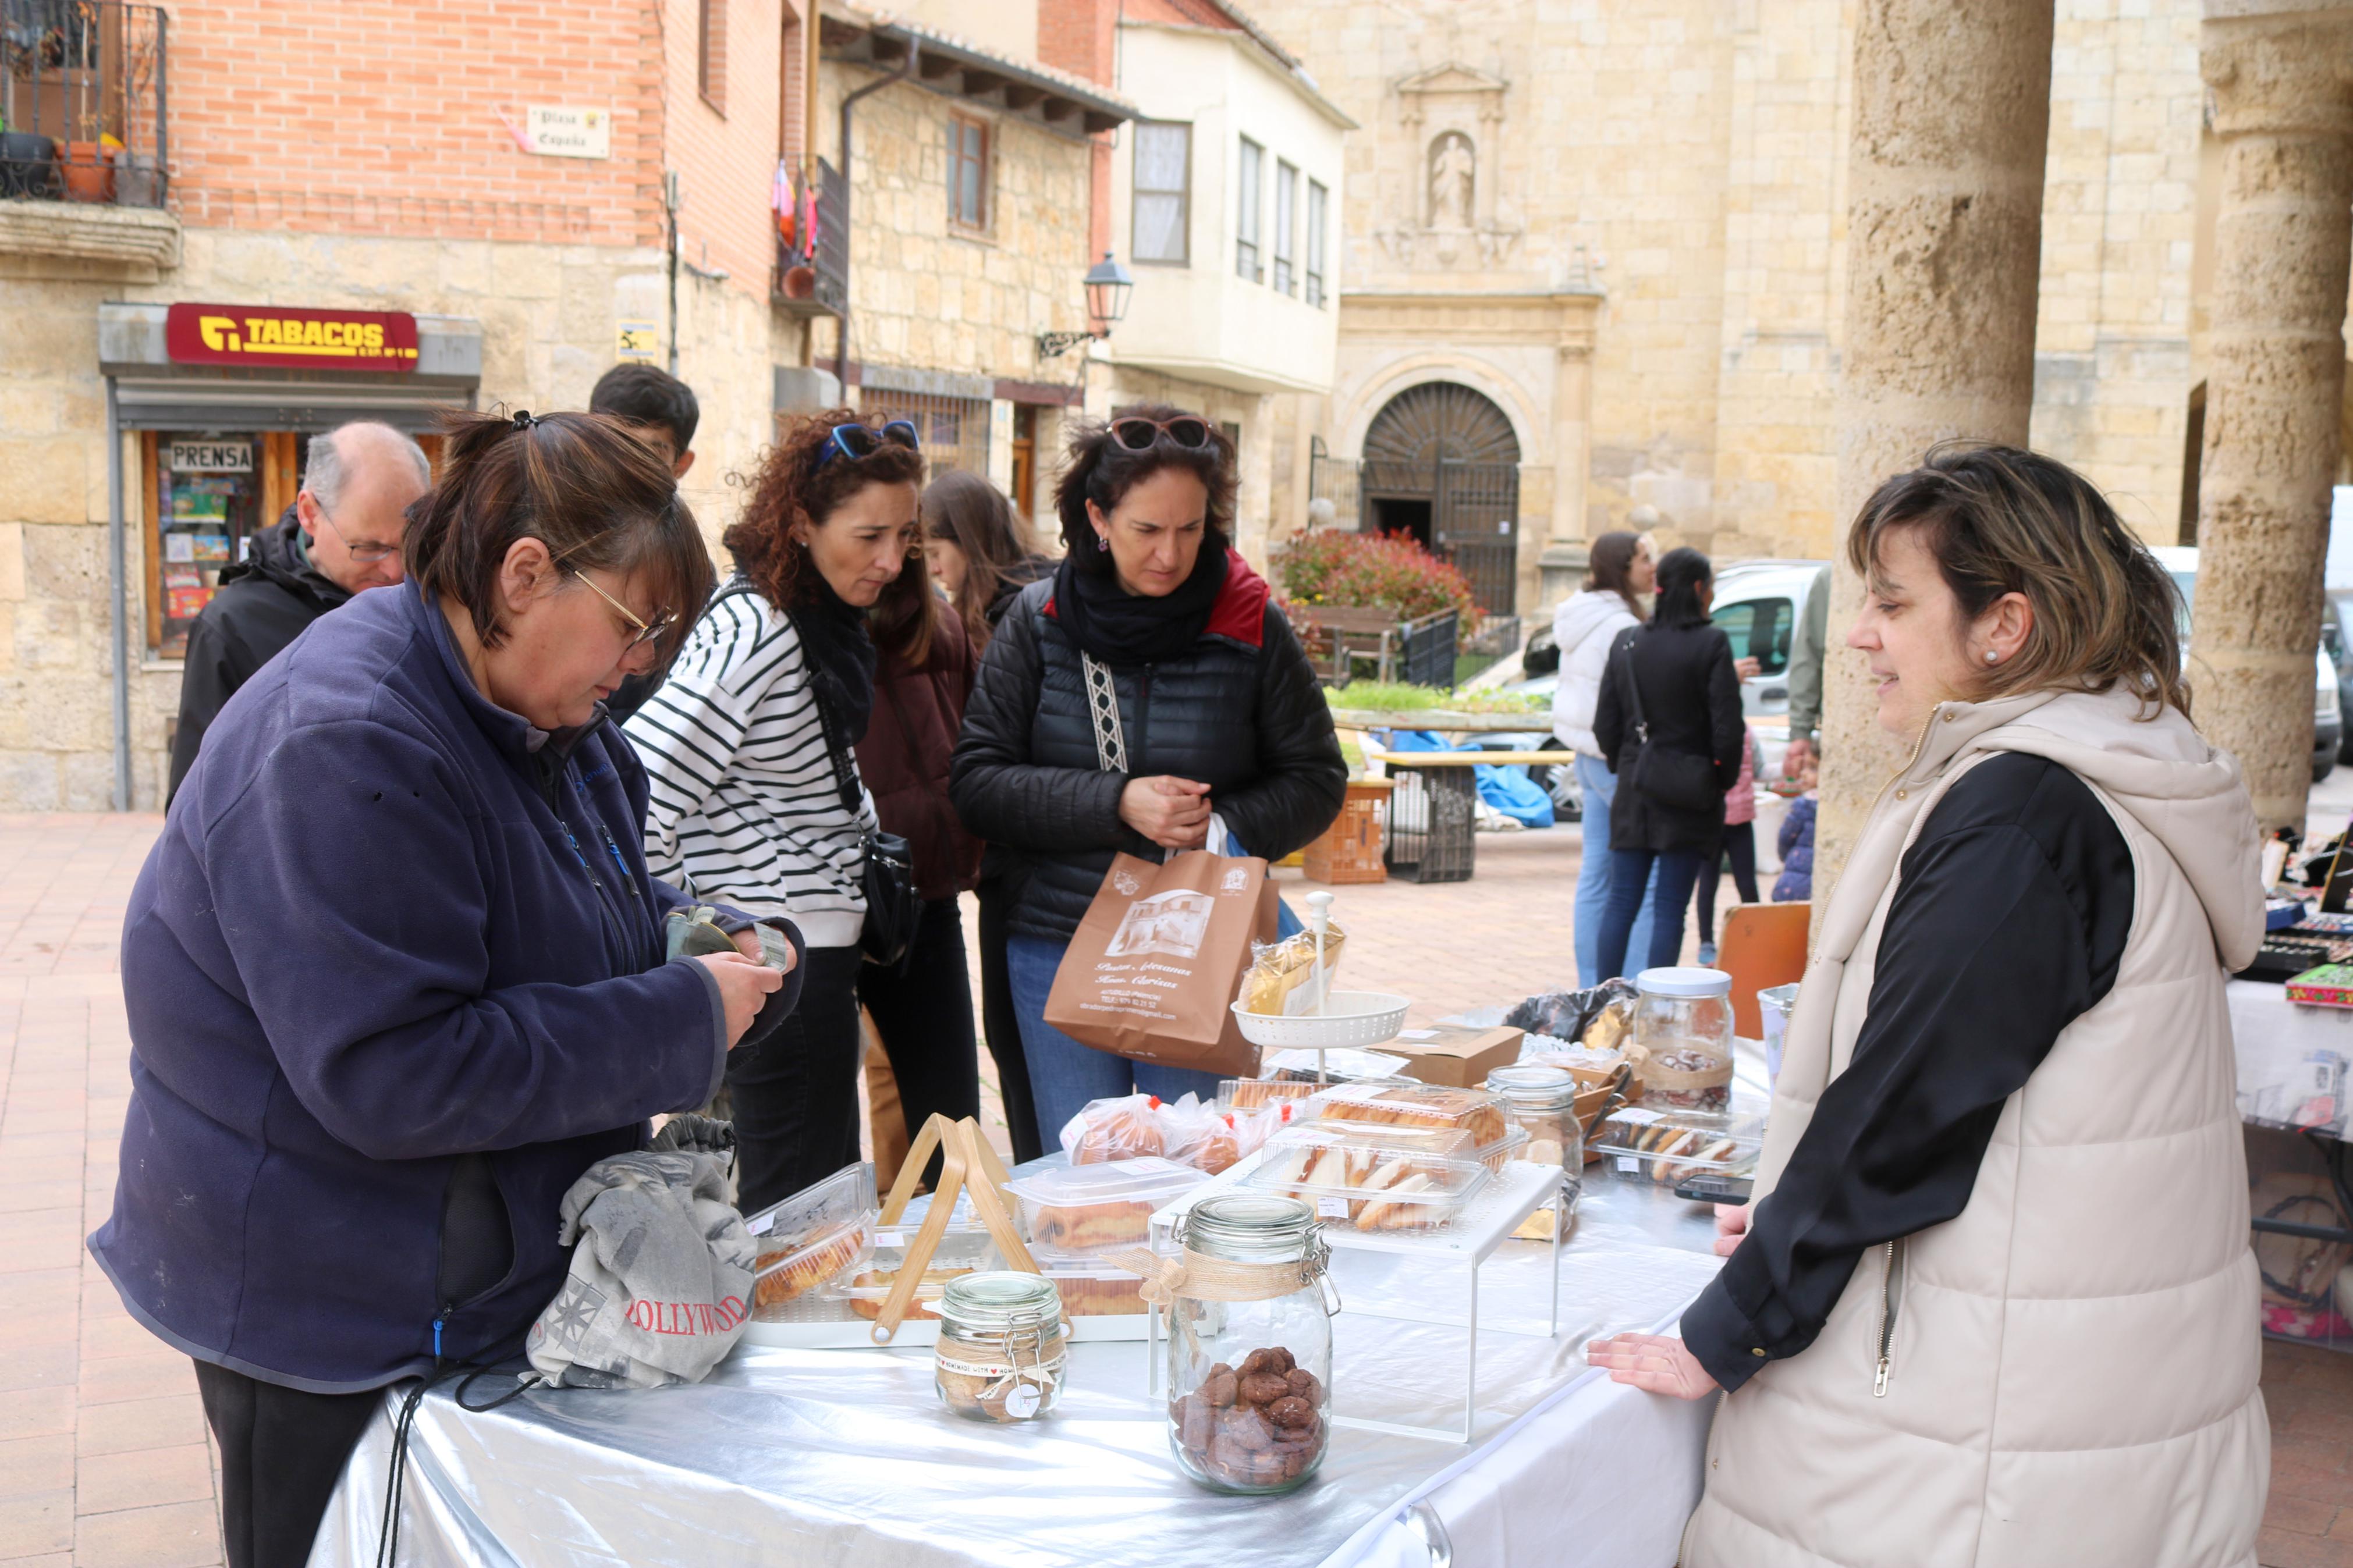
x=1677 y=674
x=1218 y=710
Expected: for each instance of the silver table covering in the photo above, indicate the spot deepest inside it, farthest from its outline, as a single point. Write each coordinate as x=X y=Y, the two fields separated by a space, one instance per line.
x=846 y=1458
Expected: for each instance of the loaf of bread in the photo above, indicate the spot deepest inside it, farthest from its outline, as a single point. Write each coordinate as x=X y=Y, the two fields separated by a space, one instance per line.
x=1090 y=1296
x=1418 y=1105
x=1082 y=1227
x=773 y=1286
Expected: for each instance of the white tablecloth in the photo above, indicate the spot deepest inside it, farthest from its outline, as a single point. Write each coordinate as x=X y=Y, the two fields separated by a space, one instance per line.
x=846 y=1458
x=2283 y=1050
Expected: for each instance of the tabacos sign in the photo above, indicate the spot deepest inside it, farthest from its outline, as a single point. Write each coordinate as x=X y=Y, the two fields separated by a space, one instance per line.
x=275 y=335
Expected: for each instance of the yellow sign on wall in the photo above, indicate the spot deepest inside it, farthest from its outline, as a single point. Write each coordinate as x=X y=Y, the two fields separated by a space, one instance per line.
x=638 y=339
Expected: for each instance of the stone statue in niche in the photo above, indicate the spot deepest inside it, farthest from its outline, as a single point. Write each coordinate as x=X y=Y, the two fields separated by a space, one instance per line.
x=1453 y=170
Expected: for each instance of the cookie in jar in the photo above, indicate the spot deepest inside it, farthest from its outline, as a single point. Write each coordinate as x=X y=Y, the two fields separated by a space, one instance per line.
x=1001 y=1354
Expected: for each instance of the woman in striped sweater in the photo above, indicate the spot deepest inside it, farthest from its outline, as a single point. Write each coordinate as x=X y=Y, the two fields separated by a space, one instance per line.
x=748 y=743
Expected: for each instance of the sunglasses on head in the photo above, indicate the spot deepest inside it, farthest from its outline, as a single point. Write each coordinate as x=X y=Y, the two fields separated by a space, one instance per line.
x=1139 y=434
x=856 y=441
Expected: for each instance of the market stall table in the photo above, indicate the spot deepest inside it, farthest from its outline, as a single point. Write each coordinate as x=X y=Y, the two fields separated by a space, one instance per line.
x=848 y=1457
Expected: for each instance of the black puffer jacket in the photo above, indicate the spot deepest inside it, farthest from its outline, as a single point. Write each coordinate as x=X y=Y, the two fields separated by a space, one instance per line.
x=1691 y=694
x=265 y=602
x=1240 y=711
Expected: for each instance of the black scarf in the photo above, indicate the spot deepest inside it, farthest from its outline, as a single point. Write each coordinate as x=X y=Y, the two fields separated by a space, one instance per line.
x=1123 y=629
x=840 y=659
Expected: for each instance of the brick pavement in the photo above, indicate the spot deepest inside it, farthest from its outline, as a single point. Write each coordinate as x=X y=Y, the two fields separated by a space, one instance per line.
x=104 y=1453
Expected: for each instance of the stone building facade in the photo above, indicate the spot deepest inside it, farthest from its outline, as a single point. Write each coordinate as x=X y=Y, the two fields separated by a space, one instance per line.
x=352 y=164
x=1644 y=205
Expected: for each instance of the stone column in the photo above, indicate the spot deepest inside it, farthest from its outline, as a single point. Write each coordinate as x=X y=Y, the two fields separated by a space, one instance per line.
x=1952 y=104
x=2282 y=84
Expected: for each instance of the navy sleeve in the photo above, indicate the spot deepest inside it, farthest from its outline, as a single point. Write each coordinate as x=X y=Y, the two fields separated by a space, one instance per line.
x=368 y=969
x=2009 y=923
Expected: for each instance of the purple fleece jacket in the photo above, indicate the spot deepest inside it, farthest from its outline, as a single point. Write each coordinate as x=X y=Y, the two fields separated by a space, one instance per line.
x=394 y=975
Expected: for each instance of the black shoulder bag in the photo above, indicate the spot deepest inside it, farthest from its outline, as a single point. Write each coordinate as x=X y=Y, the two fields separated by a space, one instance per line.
x=887 y=867
x=1679 y=779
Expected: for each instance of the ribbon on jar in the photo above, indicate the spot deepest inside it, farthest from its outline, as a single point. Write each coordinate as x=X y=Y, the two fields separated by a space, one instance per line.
x=1197 y=1277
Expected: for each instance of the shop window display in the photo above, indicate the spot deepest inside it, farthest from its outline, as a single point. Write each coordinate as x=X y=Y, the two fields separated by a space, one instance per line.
x=208 y=489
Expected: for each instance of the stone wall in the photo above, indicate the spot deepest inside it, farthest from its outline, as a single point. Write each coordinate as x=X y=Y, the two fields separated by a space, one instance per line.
x=929 y=298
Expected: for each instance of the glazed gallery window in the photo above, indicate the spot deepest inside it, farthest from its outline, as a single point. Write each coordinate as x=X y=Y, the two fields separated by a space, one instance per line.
x=1286 y=207
x=1316 y=199
x=1163 y=192
x=1246 y=259
x=968 y=173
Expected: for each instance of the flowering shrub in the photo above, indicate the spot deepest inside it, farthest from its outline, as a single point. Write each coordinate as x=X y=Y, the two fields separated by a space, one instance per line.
x=1373 y=571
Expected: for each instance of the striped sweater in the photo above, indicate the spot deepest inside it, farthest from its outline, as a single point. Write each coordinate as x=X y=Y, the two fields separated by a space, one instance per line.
x=746 y=808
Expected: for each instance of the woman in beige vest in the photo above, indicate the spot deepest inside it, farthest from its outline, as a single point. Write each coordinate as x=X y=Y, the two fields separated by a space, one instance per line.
x=1994 y=1304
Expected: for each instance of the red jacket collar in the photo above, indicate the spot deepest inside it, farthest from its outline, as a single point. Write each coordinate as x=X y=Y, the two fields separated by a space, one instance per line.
x=1240 y=611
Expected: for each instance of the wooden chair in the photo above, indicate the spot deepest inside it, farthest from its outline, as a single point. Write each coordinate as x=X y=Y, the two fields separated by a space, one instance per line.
x=1764 y=945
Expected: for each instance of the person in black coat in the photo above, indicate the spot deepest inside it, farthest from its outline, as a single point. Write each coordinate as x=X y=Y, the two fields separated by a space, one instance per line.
x=1219 y=708
x=341 y=537
x=1669 y=690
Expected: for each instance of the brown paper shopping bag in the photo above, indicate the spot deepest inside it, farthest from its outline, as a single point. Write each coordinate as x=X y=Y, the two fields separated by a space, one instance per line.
x=1155 y=967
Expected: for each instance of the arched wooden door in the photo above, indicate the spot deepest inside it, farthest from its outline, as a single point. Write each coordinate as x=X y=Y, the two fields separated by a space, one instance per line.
x=1443 y=465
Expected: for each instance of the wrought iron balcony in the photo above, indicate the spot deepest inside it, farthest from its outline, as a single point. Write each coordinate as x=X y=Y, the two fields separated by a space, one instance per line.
x=813 y=248
x=83 y=101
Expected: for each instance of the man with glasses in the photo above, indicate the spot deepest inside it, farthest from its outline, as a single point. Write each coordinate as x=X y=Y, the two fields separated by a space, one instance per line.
x=341 y=537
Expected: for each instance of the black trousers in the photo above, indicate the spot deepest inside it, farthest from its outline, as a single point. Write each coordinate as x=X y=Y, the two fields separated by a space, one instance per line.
x=923 y=1014
x=1740 y=848
x=796 y=1095
x=1003 y=1025
x=281 y=1453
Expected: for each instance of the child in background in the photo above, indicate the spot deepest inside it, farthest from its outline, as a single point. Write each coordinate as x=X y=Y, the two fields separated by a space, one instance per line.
x=1797 y=841
x=1739 y=846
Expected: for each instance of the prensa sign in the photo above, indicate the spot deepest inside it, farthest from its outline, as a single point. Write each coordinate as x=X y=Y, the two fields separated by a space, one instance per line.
x=285 y=339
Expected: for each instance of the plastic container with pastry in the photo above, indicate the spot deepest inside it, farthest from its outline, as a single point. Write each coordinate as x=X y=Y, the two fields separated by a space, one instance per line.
x=1252 y=1093
x=1126 y=1127
x=812 y=1238
x=1091 y=1287
x=1375 y=1176
x=1483 y=1115
x=959 y=1250
x=1090 y=1208
x=1667 y=1146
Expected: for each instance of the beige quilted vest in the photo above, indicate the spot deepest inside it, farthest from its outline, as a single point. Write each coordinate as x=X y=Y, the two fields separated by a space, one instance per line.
x=2069 y=1366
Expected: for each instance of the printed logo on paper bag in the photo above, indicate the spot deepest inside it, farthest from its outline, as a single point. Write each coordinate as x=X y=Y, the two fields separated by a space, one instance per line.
x=1125 y=882
x=1236 y=880
x=1175 y=923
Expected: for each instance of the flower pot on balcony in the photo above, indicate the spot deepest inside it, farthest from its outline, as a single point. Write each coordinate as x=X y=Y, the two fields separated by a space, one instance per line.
x=90 y=177
x=800 y=282
x=28 y=165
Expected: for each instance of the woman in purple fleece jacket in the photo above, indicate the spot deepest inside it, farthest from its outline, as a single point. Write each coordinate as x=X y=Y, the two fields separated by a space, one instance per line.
x=395 y=970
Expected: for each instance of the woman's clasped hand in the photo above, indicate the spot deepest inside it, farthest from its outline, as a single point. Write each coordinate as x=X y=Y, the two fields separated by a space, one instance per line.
x=1173 y=812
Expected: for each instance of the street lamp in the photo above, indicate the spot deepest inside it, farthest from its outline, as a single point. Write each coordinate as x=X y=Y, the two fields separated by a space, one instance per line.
x=1108 y=286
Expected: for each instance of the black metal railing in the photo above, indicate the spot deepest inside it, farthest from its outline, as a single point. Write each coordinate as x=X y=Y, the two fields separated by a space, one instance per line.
x=812 y=258
x=83 y=101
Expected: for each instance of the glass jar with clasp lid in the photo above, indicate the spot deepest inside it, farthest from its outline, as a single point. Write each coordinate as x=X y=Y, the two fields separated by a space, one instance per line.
x=1543 y=1102
x=1683 y=1025
x=1001 y=1354
x=1250 y=1342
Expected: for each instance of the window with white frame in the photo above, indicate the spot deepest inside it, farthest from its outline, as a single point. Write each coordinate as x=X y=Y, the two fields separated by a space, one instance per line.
x=1286 y=208
x=1250 y=173
x=1316 y=199
x=1163 y=192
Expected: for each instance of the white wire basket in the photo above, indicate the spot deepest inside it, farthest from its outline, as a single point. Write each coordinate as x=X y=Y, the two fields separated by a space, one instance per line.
x=1349 y=1018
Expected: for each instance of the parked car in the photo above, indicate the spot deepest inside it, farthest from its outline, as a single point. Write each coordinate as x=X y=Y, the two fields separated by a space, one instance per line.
x=1757 y=603
x=2328 y=697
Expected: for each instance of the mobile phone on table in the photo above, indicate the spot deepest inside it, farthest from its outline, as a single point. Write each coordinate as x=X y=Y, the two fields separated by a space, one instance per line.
x=1710 y=1188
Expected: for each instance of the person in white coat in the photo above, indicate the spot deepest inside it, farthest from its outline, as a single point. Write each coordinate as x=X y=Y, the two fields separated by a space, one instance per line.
x=1994 y=1304
x=1583 y=628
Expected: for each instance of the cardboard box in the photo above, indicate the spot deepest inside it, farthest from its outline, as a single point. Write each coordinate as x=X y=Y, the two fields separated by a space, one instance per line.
x=1453 y=1054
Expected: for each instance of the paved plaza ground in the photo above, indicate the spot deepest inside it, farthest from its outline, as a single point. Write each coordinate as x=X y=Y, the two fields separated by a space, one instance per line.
x=103 y=1455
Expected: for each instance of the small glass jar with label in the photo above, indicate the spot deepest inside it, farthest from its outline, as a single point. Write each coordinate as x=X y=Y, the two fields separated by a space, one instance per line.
x=1543 y=1101
x=1249 y=1344
x=1682 y=1023
x=1001 y=1354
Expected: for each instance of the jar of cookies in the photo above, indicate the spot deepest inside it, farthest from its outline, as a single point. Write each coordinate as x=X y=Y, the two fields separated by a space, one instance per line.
x=1543 y=1102
x=1249 y=1343
x=1001 y=1352
x=1683 y=1024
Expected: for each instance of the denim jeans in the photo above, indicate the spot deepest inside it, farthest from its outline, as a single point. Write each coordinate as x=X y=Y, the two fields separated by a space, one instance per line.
x=1063 y=1074
x=1600 y=786
x=1630 y=870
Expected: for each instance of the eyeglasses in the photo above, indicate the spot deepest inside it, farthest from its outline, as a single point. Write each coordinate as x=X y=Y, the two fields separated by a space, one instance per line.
x=856 y=441
x=1139 y=434
x=365 y=554
x=646 y=632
